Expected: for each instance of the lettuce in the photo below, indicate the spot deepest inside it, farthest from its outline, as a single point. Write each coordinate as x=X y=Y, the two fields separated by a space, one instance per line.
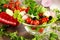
x=53 y=36
x=52 y=20
x=18 y=16
x=57 y=11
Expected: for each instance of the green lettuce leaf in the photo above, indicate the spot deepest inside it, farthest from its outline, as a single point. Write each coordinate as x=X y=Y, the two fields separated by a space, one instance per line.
x=18 y=16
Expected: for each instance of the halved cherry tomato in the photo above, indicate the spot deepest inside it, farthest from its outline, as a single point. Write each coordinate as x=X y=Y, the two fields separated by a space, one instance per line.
x=45 y=19
x=5 y=5
x=28 y=20
x=17 y=3
x=27 y=9
x=10 y=6
x=11 y=2
x=36 y=22
x=32 y=22
x=33 y=28
x=41 y=30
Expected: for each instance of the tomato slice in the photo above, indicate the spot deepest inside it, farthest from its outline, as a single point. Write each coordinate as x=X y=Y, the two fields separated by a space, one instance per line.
x=33 y=28
x=27 y=9
x=36 y=22
x=5 y=5
x=17 y=3
x=41 y=30
x=28 y=20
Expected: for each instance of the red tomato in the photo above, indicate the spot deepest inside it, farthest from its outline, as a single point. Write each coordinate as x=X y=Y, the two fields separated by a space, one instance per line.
x=45 y=19
x=11 y=2
x=17 y=3
x=32 y=22
x=28 y=20
x=36 y=22
x=40 y=22
x=10 y=6
x=13 y=9
x=41 y=30
x=33 y=28
x=27 y=9
x=22 y=9
x=5 y=5
x=17 y=8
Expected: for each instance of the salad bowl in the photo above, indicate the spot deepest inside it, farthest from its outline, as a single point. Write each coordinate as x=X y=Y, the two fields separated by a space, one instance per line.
x=49 y=27
x=50 y=8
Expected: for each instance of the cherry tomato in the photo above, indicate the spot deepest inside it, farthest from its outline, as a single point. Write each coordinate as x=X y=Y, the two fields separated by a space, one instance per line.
x=32 y=22
x=5 y=5
x=36 y=22
x=13 y=9
x=22 y=9
x=28 y=20
x=41 y=30
x=10 y=6
x=40 y=22
x=27 y=9
x=11 y=2
x=33 y=28
x=17 y=8
x=17 y=3
x=45 y=19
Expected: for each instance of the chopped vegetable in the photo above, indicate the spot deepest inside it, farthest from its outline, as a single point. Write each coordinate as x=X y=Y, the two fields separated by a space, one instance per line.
x=46 y=3
x=9 y=12
x=7 y=19
x=53 y=36
x=18 y=16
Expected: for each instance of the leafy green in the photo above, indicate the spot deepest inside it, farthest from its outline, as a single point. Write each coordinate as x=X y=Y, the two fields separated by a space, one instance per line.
x=2 y=9
x=18 y=16
x=37 y=37
x=52 y=20
x=53 y=36
x=2 y=30
x=4 y=2
x=35 y=9
x=57 y=11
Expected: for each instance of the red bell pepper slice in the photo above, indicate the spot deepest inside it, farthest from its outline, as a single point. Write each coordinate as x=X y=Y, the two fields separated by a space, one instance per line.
x=7 y=19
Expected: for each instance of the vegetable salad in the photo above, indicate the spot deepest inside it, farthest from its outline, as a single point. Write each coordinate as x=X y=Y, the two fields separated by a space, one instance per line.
x=38 y=18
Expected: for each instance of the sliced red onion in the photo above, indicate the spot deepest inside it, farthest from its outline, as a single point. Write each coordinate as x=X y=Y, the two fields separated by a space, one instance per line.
x=50 y=13
x=46 y=3
x=53 y=14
